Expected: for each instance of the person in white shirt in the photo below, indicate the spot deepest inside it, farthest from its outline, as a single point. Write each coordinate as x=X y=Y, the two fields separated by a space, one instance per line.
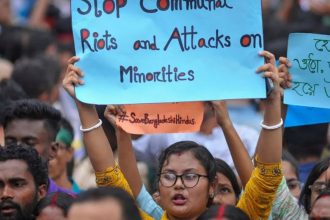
x=148 y=147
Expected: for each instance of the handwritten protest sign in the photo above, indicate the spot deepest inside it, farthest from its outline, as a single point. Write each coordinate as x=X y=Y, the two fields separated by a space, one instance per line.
x=300 y=115
x=153 y=51
x=161 y=118
x=310 y=57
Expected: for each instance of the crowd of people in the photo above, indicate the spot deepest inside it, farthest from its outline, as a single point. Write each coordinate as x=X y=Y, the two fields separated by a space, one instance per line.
x=61 y=158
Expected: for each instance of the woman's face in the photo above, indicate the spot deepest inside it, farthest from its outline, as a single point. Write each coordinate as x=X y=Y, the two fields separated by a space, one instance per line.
x=291 y=179
x=225 y=192
x=178 y=200
x=319 y=185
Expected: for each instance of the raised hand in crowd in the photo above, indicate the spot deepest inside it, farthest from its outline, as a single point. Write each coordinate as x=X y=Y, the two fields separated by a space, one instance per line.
x=96 y=143
x=241 y=158
x=283 y=71
x=126 y=156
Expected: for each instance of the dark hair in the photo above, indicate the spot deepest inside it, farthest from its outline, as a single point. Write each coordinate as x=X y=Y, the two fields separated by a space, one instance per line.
x=306 y=141
x=13 y=42
x=23 y=41
x=286 y=156
x=64 y=123
x=53 y=67
x=224 y=168
x=36 y=165
x=305 y=196
x=9 y=91
x=37 y=42
x=200 y=153
x=36 y=75
x=59 y=199
x=34 y=110
x=129 y=208
x=223 y=211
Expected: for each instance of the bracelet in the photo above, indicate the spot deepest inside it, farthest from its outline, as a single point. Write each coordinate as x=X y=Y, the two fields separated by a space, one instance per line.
x=91 y=128
x=271 y=127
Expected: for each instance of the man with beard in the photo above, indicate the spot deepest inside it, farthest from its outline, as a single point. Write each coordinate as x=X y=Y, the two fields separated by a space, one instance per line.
x=23 y=182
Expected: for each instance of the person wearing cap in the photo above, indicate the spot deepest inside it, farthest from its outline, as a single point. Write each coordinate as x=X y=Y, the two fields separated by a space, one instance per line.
x=60 y=168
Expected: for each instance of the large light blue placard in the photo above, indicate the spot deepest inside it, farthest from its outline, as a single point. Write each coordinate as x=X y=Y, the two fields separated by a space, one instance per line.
x=152 y=51
x=300 y=115
x=310 y=57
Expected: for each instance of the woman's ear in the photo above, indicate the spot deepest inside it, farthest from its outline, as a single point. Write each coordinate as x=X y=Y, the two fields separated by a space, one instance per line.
x=212 y=192
x=213 y=188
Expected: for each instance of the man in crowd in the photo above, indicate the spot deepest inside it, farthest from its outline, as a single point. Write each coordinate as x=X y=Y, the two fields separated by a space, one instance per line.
x=36 y=124
x=23 y=181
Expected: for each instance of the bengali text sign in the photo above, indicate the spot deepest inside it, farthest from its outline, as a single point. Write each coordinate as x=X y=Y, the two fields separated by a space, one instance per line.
x=161 y=118
x=153 y=51
x=310 y=58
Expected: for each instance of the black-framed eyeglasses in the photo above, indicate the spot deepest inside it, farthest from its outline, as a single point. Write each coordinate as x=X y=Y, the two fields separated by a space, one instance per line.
x=318 y=187
x=189 y=180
